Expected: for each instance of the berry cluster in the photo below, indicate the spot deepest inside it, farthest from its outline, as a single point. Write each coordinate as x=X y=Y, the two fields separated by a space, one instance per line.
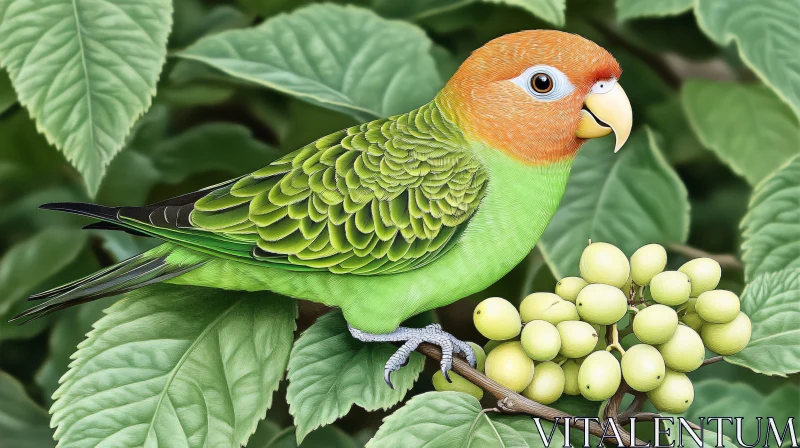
x=565 y=343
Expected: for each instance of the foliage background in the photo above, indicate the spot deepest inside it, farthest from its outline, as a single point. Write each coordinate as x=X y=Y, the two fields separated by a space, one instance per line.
x=714 y=88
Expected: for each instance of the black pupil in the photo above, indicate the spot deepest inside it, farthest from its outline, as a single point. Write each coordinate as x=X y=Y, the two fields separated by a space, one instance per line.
x=542 y=83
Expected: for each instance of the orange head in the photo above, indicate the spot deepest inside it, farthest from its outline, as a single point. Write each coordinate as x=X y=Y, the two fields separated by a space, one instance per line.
x=538 y=95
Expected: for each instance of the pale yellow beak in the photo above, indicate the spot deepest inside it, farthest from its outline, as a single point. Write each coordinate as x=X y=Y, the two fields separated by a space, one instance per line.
x=604 y=113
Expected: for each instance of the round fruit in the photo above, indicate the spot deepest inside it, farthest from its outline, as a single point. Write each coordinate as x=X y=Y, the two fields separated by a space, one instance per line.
x=540 y=340
x=693 y=321
x=560 y=311
x=568 y=287
x=510 y=366
x=717 y=306
x=480 y=356
x=547 y=384
x=578 y=339
x=601 y=304
x=491 y=345
x=704 y=272
x=459 y=384
x=599 y=376
x=655 y=324
x=671 y=288
x=689 y=305
x=604 y=263
x=674 y=395
x=728 y=339
x=646 y=262
x=684 y=352
x=626 y=288
x=643 y=367
x=533 y=306
x=571 y=369
x=497 y=319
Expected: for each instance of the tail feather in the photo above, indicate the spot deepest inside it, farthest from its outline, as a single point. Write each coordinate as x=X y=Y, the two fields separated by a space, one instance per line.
x=133 y=273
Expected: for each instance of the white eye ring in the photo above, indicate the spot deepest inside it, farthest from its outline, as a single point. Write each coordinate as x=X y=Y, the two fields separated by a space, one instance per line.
x=604 y=86
x=561 y=86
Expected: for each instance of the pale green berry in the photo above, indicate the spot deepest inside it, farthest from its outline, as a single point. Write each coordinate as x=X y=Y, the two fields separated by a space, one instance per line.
x=604 y=263
x=497 y=319
x=674 y=395
x=459 y=384
x=510 y=366
x=718 y=306
x=655 y=324
x=571 y=369
x=578 y=339
x=704 y=272
x=533 y=306
x=646 y=262
x=693 y=321
x=601 y=304
x=643 y=367
x=540 y=340
x=599 y=376
x=560 y=311
x=480 y=356
x=684 y=351
x=730 y=338
x=626 y=288
x=547 y=384
x=568 y=288
x=671 y=288
x=490 y=346
x=689 y=305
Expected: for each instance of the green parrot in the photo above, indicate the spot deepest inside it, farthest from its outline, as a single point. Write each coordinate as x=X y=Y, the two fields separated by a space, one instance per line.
x=393 y=217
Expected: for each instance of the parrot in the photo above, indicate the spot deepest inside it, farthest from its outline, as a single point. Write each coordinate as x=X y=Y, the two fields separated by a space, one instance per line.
x=393 y=217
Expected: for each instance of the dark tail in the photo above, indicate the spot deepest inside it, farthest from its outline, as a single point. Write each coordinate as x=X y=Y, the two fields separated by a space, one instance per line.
x=133 y=273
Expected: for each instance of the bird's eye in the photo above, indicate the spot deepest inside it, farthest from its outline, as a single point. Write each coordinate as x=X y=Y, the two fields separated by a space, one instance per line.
x=541 y=83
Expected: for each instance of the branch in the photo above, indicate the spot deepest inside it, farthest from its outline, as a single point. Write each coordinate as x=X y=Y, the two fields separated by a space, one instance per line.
x=634 y=409
x=711 y=360
x=512 y=402
x=726 y=261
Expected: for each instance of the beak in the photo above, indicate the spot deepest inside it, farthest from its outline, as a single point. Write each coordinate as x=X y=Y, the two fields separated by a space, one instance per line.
x=603 y=113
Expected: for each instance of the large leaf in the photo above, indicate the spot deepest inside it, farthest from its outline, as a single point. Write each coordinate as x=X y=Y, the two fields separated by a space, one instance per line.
x=344 y=58
x=747 y=126
x=767 y=34
x=455 y=419
x=628 y=9
x=771 y=227
x=330 y=371
x=772 y=302
x=325 y=437
x=85 y=69
x=23 y=423
x=549 y=10
x=176 y=366
x=628 y=199
x=26 y=265
x=211 y=147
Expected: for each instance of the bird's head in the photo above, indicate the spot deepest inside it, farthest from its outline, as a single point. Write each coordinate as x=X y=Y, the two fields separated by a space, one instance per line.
x=538 y=95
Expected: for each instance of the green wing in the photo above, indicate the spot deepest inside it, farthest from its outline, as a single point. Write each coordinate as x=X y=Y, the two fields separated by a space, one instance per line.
x=385 y=196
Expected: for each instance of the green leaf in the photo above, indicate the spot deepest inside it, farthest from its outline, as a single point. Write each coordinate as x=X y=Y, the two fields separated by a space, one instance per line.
x=7 y=95
x=23 y=423
x=211 y=147
x=265 y=431
x=551 y=11
x=766 y=32
x=343 y=58
x=772 y=302
x=456 y=419
x=86 y=70
x=628 y=199
x=26 y=265
x=628 y=9
x=330 y=371
x=747 y=126
x=325 y=437
x=771 y=229
x=176 y=366
x=669 y=119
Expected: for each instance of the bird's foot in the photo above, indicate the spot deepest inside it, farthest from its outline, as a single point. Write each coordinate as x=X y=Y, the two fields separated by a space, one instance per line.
x=411 y=338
